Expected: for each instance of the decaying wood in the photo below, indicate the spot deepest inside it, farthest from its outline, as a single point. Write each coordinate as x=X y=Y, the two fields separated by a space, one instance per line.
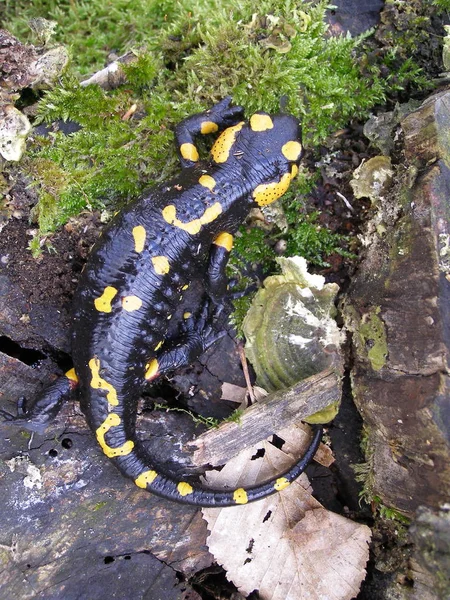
x=397 y=310
x=269 y=415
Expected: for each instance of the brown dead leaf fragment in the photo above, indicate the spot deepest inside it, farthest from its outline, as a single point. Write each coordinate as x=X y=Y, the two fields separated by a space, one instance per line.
x=286 y=546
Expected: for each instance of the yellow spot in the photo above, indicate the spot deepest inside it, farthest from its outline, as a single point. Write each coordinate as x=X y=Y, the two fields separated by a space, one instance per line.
x=151 y=369
x=266 y=193
x=169 y=317
x=222 y=146
x=208 y=127
x=161 y=265
x=281 y=483
x=187 y=315
x=211 y=213
x=131 y=303
x=207 y=181
x=225 y=240
x=260 y=122
x=139 y=235
x=240 y=496
x=184 y=488
x=145 y=478
x=158 y=346
x=112 y=420
x=294 y=171
x=103 y=302
x=98 y=383
x=189 y=152
x=292 y=150
x=185 y=287
x=72 y=375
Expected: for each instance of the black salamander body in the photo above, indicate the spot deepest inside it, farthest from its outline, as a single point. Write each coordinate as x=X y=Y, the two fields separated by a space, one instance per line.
x=138 y=272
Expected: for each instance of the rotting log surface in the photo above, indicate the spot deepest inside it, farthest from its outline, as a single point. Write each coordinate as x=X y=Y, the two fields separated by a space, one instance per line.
x=398 y=311
x=266 y=417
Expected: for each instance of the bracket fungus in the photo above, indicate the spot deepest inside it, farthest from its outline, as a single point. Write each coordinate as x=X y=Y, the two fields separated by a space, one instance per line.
x=290 y=328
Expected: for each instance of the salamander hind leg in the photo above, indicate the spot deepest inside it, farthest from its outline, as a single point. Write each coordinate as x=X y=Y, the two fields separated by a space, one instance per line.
x=197 y=333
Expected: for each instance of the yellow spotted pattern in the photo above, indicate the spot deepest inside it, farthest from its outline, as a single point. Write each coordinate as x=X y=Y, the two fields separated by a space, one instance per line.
x=187 y=315
x=98 y=383
x=112 y=420
x=131 y=303
x=259 y=122
x=208 y=127
x=103 y=302
x=225 y=240
x=211 y=213
x=72 y=375
x=184 y=488
x=294 y=171
x=139 y=235
x=281 y=483
x=207 y=181
x=266 y=193
x=240 y=496
x=158 y=346
x=161 y=265
x=185 y=287
x=151 y=369
x=292 y=150
x=222 y=146
x=189 y=152
x=145 y=478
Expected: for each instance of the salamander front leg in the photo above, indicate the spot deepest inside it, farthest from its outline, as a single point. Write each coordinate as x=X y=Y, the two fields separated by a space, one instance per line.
x=46 y=406
x=216 y=280
x=196 y=336
x=220 y=116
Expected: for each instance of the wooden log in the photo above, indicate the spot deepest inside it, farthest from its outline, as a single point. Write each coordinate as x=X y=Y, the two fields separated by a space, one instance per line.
x=266 y=417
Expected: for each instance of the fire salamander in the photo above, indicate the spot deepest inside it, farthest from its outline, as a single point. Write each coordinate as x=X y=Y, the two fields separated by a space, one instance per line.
x=137 y=275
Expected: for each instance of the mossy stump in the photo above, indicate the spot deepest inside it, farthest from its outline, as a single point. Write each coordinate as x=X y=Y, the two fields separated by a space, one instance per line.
x=398 y=312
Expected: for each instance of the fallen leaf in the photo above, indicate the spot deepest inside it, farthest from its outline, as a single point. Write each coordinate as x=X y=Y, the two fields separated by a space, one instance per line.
x=286 y=546
x=233 y=393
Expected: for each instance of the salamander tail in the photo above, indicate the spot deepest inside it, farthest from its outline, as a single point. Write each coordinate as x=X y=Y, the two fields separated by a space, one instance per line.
x=136 y=466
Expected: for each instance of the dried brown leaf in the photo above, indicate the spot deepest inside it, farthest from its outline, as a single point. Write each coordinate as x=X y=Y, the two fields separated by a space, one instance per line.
x=287 y=546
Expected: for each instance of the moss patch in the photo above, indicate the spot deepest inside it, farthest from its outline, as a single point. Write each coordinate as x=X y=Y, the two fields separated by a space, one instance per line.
x=194 y=55
x=190 y=55
x=371 y=333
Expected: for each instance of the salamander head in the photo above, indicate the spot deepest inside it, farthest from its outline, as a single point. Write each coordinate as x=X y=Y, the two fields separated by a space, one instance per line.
x=276 y=148
x=278 y=137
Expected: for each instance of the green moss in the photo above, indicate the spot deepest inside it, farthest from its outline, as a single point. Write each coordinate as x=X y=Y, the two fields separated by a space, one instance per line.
x=235 y=417
x=443 y=5
x=324 y=416
x=364 y=474
x=390 y=513
x=371 y=334
x=210 y=422
x=196 y=52
x=91 y=28
x=317 y=74
x=307 y=238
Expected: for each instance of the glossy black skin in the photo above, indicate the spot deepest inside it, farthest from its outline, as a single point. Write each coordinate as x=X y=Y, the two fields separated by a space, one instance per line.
x=124 y=342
